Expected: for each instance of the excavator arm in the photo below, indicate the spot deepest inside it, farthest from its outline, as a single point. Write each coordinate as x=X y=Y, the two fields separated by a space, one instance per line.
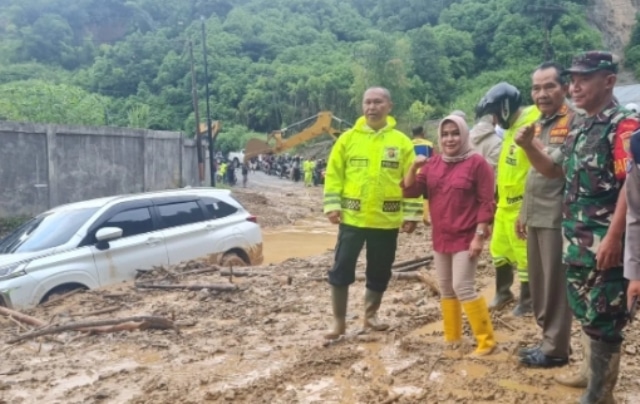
x=284 y=139
x=215 y=129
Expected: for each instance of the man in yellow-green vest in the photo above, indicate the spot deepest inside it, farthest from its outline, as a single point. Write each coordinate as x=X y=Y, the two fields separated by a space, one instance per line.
x=362 y=195
x=504 y=102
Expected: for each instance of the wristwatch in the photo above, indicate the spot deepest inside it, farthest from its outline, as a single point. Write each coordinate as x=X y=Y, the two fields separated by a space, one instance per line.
x=481 y=233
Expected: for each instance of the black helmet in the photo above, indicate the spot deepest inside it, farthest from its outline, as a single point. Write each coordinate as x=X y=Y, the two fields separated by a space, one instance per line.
x=502 y=101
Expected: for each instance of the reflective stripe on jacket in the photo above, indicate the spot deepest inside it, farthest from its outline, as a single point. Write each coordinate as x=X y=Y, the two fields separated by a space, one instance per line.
x=363 y=177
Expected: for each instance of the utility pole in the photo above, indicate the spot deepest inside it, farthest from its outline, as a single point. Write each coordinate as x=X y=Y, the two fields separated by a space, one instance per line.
x=212 y=166
x=196 y=110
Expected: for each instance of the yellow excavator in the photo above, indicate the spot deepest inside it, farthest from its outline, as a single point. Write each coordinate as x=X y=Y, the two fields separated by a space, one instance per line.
x=295 y=134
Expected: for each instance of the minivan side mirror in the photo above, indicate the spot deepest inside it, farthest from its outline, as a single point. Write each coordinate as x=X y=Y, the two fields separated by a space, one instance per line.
x=108 y=233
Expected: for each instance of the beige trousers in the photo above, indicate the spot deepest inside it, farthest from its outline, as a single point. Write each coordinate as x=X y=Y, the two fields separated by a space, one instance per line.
x=456 y=275
x=548 y=286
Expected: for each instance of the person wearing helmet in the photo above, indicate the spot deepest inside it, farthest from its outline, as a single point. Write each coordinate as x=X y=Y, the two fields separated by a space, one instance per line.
x=504 y=102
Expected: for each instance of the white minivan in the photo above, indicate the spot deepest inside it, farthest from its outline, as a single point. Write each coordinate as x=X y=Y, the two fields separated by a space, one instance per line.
x=104 y=241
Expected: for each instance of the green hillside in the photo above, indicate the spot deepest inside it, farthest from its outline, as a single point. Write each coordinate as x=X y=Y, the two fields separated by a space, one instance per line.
x=271 y=62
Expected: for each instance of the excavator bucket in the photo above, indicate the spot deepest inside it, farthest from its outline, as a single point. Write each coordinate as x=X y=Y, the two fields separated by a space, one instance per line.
x=255 y=147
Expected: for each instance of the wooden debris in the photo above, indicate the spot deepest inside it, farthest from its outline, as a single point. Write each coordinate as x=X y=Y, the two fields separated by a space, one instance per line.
x=23 y=318
x=504 y=323
x=220 y=287
x=97 y=312
x=101 y=326
x=238 y=274
x=427 y=258
x=412 y=267
x=207 y=270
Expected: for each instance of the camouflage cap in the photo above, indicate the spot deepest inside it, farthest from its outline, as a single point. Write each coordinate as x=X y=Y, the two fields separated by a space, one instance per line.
x=592 y=61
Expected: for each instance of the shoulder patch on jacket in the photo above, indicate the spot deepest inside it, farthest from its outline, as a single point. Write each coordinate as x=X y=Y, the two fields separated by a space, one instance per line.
x=621 y=145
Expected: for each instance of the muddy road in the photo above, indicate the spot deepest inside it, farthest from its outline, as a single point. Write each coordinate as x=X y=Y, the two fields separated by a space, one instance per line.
x=263 y=343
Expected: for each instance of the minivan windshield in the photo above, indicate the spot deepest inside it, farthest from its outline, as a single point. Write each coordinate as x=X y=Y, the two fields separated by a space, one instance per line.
x=45 y=231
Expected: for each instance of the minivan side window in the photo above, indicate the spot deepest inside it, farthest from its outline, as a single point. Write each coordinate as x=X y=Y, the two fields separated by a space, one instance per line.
x=217 y=209
x=132 y=222
x=180 y=213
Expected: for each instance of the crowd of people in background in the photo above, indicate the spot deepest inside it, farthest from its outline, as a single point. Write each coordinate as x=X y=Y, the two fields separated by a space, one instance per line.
x=295 y=168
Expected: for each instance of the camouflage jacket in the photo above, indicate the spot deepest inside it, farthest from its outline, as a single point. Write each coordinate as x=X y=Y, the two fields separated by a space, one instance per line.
x=595 y=157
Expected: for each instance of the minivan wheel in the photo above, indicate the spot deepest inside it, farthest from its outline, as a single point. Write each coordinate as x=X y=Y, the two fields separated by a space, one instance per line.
x=232 y=260
x=60 y=291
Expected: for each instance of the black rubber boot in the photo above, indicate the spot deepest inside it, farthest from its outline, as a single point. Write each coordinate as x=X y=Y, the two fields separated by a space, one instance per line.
x=372 y=301
x=604 y=366
x=504 y=280
x=339 y=300
x=525 y=305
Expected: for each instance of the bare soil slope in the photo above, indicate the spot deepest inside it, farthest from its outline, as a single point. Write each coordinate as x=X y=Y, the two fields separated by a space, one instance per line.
x=263 y=343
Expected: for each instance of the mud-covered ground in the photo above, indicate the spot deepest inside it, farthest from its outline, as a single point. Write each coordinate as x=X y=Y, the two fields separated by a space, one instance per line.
x=263 y=342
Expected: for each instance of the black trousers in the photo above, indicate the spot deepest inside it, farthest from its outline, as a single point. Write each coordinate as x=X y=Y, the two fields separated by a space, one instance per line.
x=381 y=252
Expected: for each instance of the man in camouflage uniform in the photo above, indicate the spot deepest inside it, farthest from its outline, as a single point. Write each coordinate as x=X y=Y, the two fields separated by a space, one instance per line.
x=593 y=160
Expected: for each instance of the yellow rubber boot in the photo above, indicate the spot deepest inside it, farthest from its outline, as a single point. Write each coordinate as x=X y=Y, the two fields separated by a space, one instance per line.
x=478 y=315
x=452 y=319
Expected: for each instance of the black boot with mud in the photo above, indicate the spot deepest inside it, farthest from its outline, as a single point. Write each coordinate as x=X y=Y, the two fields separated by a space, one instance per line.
x=339 y=301
x=504 y=280
x=372 y=301
x=525 y=304
x=604 y=367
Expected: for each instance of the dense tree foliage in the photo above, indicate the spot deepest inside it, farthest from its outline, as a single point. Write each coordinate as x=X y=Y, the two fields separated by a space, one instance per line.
x=271 y=62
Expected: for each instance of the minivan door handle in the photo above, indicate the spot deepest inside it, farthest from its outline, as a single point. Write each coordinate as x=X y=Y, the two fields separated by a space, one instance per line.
x=152 y=241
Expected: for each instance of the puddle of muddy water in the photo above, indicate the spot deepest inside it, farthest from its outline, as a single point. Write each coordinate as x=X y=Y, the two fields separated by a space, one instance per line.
x=304 y=239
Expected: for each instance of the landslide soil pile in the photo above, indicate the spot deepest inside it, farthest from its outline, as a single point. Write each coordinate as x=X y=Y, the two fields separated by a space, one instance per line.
x=262 y=342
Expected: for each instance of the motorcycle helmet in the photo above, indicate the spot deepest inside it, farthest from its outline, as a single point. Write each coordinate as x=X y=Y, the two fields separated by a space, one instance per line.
x=502 y=101
x=633 y=107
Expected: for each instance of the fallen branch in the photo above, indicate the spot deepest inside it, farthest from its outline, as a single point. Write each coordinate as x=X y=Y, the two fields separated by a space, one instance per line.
x=412 y=267
x=213 y=268
x=504 y=323
x=97 y=312
x=115 y=295
x=220 y=287
x=23 y=318
x=19 y=324
x=101 y=326
x=239 y=274
x=413 y=261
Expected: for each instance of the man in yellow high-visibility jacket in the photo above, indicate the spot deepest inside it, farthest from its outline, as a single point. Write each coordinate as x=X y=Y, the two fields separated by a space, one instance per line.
x=504 y=102
x=362 y=194
x=420 y=140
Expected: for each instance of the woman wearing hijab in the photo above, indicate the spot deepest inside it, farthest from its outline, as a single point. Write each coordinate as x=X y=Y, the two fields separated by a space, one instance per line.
x=459 y=184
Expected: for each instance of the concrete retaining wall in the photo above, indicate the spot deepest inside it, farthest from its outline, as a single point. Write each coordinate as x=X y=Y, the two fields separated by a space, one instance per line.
x=42 y=166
